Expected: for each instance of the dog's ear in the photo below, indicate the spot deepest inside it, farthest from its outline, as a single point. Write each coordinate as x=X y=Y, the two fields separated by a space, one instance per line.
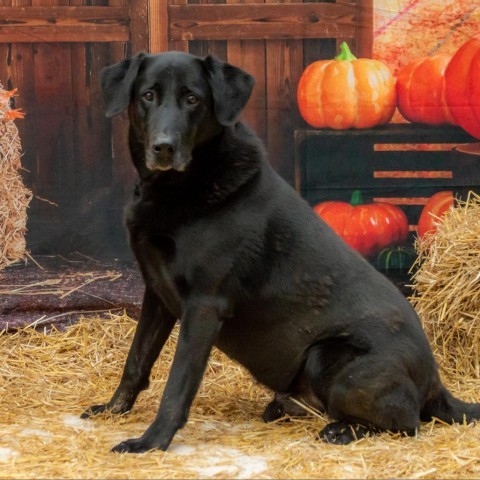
x=117 y=82
x=231 y=89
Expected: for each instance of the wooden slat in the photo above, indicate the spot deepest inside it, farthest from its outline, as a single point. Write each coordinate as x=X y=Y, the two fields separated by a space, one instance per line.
x=405 y=133
x=180 y=45
x=284 y=66
x=413 y=147
x=139 y=26
x=364 y=33
x=122 y=170
x=208 y=46
x=402 y=200
x=250 y=55
x=158 y=25
x=268 y=21
x=362 y=42
x=402 y=174
x=52 y=116
x=64 y=24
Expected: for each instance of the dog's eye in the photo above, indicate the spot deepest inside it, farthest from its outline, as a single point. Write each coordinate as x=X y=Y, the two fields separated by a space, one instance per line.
x=148 y=96
x=192 y=99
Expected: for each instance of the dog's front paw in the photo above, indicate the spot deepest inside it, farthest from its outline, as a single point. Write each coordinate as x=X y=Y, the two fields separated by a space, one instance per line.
x=94 y=410
x=137 y=445
x=104 y=407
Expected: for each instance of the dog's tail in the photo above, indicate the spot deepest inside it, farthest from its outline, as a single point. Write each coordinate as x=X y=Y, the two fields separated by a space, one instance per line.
x=449 y=409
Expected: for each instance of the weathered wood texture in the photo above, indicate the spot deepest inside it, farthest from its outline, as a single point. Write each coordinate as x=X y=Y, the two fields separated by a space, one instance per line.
x=64 y=24
x=262 y=21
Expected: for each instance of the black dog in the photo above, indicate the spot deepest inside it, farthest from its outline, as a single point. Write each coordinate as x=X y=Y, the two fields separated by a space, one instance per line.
x=227 y=247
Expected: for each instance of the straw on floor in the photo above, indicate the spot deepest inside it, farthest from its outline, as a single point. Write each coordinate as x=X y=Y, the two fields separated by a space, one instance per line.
x=47 y=380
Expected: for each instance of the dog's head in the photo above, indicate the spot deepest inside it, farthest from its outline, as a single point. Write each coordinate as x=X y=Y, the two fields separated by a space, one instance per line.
x=176 y=102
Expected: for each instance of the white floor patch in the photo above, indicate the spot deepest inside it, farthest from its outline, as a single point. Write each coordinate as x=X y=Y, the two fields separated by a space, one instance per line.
x=182 y=449
x=227 y=462
x=7 y=454
x=36 y=432
x=78 y=423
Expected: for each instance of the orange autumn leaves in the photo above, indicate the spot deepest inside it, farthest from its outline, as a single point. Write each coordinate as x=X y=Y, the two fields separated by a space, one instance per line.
x=7 y=113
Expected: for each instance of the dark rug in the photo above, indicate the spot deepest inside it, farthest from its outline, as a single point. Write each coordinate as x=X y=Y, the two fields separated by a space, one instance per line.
x=58 y=290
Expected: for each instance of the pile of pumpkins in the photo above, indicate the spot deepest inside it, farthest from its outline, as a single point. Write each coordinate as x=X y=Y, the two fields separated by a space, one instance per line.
x=348 y=92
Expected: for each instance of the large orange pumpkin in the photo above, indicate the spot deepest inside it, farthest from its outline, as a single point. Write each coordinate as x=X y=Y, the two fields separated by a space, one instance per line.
x=462 y=80
x=421 y=90
x=346 y=92
x=367 y=228
x=435 y=207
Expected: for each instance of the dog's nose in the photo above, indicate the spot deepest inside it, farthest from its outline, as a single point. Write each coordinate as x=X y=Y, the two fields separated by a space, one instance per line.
x=163 y=148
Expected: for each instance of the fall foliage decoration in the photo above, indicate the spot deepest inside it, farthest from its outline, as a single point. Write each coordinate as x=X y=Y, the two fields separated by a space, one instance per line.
x=9 y=113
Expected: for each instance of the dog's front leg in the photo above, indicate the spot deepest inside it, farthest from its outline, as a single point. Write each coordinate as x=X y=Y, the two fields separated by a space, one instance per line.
x=153 y=329
x=199 y=328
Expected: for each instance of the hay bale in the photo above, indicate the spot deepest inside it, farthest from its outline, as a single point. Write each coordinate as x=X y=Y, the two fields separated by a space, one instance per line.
x=14 y=196
x=446 y=288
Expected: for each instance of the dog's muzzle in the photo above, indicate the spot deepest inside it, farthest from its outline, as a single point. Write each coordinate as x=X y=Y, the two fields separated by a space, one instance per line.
x=164 y=155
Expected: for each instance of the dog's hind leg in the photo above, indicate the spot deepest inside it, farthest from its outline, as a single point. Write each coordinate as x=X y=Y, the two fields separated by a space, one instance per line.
x=154 y=327
x=365 y=396
x=281 y=406
x=291 y=404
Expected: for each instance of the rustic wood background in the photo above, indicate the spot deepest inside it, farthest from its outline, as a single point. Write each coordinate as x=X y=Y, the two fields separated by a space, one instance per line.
x=76 y=160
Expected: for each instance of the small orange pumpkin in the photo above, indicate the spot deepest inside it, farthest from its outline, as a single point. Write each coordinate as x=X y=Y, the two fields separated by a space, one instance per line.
x=367 y=228
x=462 y=81
x=347 y=92
x=421 y=90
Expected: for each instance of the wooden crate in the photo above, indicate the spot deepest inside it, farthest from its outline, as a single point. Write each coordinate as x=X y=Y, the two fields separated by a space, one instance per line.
x=403 y=164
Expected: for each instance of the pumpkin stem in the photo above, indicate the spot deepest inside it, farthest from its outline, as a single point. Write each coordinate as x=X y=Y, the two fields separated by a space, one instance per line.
x=356 y=198
x=345 y=53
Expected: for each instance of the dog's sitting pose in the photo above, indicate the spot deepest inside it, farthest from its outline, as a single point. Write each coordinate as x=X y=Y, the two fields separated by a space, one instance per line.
x=229 y=248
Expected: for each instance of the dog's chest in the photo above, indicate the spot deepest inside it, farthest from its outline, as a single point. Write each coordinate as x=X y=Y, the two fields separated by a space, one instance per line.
x=177 y=254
